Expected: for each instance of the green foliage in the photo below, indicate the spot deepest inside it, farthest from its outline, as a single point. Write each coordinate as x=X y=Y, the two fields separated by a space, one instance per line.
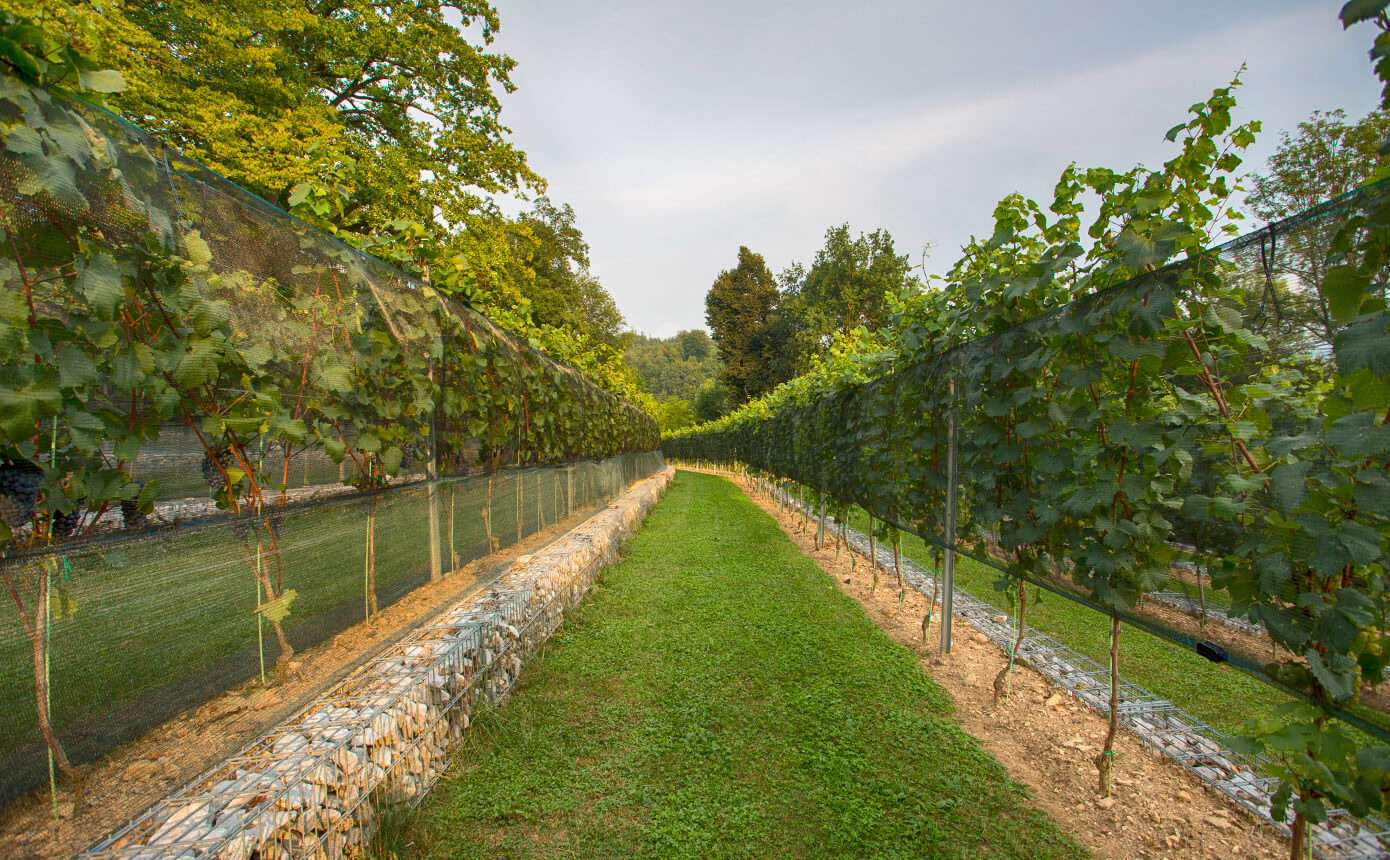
x=1111 y=404
x=675 y=366
x=110 y=334
x=552 y=252
x=851 y=284
x=407 y=90
x=711 y=400
x=1326 y=158
x=739 y=309
x=674 y=415
x=30 y=51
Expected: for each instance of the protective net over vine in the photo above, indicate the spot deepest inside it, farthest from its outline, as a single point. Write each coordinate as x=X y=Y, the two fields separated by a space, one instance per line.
x=1219 y=421
x=225 y=436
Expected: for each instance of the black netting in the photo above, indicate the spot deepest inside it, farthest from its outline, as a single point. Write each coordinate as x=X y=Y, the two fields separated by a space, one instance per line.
x=1176 y=422
x=241 y=431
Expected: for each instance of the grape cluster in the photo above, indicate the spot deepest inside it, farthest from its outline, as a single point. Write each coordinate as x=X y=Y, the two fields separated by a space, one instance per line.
x=407 y=458
x=217 y=477
x=65 y=524
x=131 y=516
x=19 y=491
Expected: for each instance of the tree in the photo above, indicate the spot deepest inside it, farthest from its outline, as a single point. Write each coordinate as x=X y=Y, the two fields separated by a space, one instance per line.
x=274 y=93
x=675 y=414
x=553 y=261
x=695 y=344
x=848 y=286
x=711 y=401
x=1326 y=158
x=739 y=309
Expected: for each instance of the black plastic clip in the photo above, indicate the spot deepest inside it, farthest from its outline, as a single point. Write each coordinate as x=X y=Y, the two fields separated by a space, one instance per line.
x=1213 y=652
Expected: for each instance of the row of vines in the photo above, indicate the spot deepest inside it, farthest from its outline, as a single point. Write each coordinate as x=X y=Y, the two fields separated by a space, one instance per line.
x=145 y=296
x=1116 y=413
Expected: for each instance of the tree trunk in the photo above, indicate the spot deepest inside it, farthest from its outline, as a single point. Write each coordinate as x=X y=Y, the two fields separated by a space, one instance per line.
x=38 y=639
x=1004 y=682
x=1298 y=846
x=1105 y=762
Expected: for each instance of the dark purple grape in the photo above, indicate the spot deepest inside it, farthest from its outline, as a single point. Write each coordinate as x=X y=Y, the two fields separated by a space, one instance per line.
x=65 y=524
x=19 y=491
x=217 y=478
x=132 y=517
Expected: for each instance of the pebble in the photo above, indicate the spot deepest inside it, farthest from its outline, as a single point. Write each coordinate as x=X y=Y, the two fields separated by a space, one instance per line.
x=1105 y=802
x=1053 y=700
x=1184 y=797
x=1217 y=821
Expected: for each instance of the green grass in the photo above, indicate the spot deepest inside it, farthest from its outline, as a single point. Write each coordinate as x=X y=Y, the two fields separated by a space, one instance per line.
x=718 y=697
x=168 y=609
x=1219 y=695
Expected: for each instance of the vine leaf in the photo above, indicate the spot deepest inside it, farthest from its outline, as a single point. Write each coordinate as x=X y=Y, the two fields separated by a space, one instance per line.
x=103 y=81
x=278 y=609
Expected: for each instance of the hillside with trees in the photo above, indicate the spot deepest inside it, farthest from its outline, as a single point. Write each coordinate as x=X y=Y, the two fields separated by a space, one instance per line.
x=681 y=373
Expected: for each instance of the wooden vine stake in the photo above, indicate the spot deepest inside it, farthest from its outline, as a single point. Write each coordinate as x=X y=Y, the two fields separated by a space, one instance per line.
x=453 y=553
x=820 y=529
x=487 y=518
x=898 y=565
x=1105 y=761
x=931 y=607
x=873 y=556
x=370 y=584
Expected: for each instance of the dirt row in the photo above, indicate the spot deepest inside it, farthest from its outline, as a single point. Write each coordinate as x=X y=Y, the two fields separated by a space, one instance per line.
x=1047 y=739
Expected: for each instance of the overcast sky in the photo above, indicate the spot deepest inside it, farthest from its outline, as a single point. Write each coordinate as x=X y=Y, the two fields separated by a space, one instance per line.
x=680 y=132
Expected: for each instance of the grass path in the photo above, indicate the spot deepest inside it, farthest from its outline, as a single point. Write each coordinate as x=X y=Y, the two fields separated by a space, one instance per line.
x=720 y=698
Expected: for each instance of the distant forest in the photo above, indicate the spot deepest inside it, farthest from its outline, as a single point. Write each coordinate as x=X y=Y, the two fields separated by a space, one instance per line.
x=681 y=372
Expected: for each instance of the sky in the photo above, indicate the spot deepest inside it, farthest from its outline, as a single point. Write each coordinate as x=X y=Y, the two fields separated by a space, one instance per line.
x=679 y=132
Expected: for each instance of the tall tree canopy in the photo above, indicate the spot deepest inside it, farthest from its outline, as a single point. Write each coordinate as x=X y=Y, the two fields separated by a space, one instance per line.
x=847 y=286
x=562 y=292
x=739 y=309
x=1326 y=157
x=673 y=367
x=274 y=92
x=375 y=120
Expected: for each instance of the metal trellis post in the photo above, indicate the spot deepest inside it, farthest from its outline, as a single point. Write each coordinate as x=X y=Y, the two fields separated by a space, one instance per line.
x=949 y=567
